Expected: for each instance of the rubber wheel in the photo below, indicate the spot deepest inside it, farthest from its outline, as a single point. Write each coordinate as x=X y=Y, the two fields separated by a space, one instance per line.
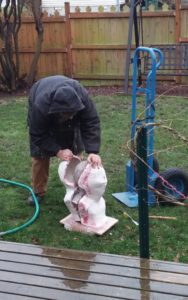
x=155 y=168
x=178 y=179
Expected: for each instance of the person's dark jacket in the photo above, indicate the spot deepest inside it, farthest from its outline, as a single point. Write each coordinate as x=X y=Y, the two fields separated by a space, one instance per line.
x=59 y=94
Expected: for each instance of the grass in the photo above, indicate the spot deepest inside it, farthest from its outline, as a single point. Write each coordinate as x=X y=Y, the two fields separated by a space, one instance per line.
x=168 y=238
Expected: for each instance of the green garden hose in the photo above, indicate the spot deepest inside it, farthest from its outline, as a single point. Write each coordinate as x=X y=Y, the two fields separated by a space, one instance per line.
x=35 y=215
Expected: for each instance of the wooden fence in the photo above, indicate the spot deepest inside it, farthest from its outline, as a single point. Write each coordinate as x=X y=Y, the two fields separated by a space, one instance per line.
x=92 y=46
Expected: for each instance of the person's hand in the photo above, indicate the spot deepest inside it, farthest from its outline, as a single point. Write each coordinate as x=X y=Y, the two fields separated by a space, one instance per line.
x=65 y=154
x=94 y=160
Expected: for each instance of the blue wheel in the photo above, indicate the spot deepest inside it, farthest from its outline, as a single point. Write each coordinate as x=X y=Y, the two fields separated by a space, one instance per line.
x=173 y=185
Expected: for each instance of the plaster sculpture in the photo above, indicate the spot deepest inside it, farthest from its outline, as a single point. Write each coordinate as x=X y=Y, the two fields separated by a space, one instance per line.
x=85 y=187
x=66 y=174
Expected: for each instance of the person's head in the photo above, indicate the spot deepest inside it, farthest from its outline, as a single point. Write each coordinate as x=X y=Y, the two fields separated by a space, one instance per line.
x=66 y=102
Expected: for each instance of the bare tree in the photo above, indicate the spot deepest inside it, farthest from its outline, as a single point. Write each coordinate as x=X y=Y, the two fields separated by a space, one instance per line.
x=35 y=6
x=10 y=23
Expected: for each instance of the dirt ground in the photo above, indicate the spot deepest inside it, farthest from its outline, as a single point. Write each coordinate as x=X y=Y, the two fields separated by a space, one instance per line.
x=166 y=89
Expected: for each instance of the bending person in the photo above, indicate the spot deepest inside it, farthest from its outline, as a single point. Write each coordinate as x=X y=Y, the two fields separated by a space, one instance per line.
x=63 y=122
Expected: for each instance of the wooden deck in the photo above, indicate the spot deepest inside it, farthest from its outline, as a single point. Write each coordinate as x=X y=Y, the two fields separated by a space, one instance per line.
x=32 y=272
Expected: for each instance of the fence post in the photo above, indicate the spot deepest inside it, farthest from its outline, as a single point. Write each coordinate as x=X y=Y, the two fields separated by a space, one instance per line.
x=177 y=33
x=143 y=192
x=177 y=21
x=68 y=40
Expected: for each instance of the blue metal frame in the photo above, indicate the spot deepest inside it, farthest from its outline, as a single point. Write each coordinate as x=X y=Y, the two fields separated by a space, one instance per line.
x=130 y=197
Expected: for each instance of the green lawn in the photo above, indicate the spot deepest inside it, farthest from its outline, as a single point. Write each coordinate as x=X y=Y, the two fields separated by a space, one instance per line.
x=168 y=238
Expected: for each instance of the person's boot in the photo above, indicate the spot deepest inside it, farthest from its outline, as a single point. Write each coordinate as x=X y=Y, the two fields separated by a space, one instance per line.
x=31 y=201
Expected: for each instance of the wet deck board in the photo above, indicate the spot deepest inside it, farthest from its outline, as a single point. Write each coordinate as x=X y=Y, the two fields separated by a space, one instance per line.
x=35 y=272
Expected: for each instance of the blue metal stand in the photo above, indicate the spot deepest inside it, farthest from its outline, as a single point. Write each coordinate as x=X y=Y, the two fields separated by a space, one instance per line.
x=130 y=197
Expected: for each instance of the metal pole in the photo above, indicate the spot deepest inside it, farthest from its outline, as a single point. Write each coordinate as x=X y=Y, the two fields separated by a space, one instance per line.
x=137 y=42
x=143 y=192
x=133 y=20
x=128 y=53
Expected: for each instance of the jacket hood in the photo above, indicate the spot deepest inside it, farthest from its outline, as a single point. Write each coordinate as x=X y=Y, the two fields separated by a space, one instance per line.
x=66 y=99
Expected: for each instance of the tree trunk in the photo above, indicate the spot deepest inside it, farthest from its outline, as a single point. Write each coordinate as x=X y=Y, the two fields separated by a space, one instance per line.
x=10 y=22
x=37 y=12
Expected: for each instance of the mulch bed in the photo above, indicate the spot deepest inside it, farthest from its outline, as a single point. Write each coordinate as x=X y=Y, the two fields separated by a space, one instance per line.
x=166 y=89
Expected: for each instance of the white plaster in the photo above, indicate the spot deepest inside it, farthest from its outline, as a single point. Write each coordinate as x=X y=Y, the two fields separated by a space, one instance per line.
x=85 y=187
x=66 y=175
